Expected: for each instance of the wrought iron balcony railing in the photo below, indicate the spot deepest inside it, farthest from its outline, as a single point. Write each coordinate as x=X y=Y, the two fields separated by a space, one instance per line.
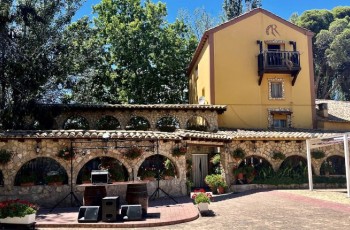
x=279 y=62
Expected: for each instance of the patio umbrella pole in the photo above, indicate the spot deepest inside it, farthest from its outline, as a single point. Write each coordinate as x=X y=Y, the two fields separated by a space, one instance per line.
x=71 y=193
x=155 y=194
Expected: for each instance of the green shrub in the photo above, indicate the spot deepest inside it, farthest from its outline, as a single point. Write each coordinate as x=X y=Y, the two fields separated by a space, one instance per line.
x=238 y=153
x=318 y=154
x=278 y=155
x=201 y=198
x=214 y=181
x=5 y=156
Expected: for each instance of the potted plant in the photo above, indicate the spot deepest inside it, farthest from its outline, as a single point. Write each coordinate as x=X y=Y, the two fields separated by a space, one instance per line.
x=238 y=153
x=239 y=174
x=318 y=154
x=5 y=156
x=214 y=181
x=133 y=152
x=17 y=212
x=202 y=200
x=249 y=173
x=179 y=151
x=27 y=179
x=169 y=171
x=277 y=155
x=66 y=153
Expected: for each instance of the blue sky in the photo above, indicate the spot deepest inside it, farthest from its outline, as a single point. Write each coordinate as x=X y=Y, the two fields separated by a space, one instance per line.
x=282 y=8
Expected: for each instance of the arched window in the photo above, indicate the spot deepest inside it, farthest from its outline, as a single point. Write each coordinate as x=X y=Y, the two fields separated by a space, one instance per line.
x=167 y=124
x=157 y=166
x=294 y=166
x=198 y=123
x=252 y=168
x=76 y=122
x=108 y=123
x=333 y=165
x=138 y=123
x=39 y=171
x=116 y=170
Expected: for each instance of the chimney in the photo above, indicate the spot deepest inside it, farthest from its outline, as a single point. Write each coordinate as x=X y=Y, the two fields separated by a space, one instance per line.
x=323 y=109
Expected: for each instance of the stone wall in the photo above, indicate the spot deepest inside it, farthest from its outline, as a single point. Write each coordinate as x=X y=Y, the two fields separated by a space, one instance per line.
x=182 y=116
x=47 y=195
x=265 y=149
x=25 y=150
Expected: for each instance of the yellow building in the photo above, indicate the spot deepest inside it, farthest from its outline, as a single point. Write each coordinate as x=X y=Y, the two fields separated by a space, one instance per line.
x=261 y=67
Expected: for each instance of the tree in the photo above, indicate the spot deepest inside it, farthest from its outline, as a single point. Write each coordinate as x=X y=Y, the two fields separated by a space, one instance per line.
x=31 y=35
x=330 y=49
x=198 y=22
x=234 y=8
x=339 y=59
x=315 y=20
x=148 y=56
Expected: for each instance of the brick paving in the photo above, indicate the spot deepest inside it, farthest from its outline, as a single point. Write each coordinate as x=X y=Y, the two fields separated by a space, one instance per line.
x=260 y=209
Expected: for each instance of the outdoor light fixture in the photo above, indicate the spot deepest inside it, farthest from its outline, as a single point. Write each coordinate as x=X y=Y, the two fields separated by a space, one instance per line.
x=37 y=148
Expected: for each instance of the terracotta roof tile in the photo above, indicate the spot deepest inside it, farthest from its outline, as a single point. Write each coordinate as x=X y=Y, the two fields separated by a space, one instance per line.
x=180 y=134
x=338 y=111
x=220 y=108
x=275 y=135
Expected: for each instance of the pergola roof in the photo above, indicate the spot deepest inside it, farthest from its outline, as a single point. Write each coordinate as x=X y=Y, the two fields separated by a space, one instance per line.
x=332 y=139
x=327 y=141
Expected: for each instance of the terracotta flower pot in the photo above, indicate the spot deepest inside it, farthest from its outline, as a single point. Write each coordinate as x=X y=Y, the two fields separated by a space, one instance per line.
x=221 y=190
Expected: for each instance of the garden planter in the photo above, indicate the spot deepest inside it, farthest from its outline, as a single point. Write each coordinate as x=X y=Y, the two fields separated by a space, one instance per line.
x=149 y=178
x=203 y=207
x=168 y=177
x=240 y=176
x=221 y=190
x=27 y=184
x=56 y=183
x=28 y=219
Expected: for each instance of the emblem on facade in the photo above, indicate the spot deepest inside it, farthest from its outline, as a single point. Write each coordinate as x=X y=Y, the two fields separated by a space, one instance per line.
x=272 y=29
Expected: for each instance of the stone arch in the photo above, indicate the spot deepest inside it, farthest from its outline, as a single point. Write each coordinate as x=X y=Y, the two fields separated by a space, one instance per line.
x=38 y=170
x=167 y=123
x=117 y=171
x=154 y=164
x=251 y=167
x=333 y=165
x=108 y=123
x=76 y=122
x=198 y=123
x=255 y=160
x=1 y=179
x=296 y=163
x=138 y=123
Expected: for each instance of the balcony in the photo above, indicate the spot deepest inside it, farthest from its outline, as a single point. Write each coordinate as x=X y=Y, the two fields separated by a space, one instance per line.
x=285 y=62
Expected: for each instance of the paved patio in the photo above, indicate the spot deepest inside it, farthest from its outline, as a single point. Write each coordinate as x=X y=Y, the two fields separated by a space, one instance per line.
x=260 y=209
x=160 y=212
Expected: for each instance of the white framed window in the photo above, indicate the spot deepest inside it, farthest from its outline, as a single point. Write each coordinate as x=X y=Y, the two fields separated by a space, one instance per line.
x=276 y=89
x=279 y=118
x=280 y=123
